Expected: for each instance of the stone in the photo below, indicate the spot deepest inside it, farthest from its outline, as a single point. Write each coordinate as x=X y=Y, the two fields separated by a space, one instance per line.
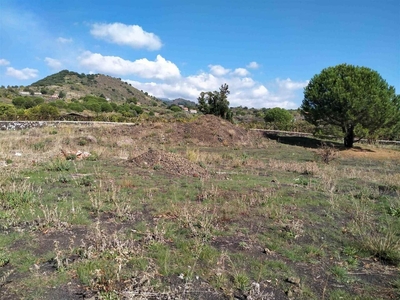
x=294 y=280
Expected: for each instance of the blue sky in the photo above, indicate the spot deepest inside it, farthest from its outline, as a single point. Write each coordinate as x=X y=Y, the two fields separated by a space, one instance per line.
x=266 y=51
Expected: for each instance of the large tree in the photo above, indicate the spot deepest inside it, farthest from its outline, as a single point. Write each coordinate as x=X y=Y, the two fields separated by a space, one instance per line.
x=216 y=103
x=352 y=98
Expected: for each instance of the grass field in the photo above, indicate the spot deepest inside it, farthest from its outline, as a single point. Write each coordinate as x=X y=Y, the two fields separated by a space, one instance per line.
x=144 y=219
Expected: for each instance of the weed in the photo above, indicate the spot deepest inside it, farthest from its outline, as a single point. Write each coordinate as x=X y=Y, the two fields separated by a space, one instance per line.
x=381 y=240
x=59 y=165
x=82 y=142
x=39 y=146
x=340 y=273
x=63 y=178
x=14 y=196
x=192 y=155
x=94 y=156
x=86 y=181
x=157 y=167
x=327 y=153
x=70 y=156
x=4 y=259
x=241 y=281
x=394 y=212
x=350 y=251
x=339 y=295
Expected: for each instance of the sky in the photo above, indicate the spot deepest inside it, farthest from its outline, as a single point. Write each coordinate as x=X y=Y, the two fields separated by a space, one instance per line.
x=265 y=50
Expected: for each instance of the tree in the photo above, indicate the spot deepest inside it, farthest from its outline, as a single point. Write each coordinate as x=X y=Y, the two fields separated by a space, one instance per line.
x=62 y=94
x=216 y=103
x=279 y=118
x=7 y=112
x=43 y=111
x=351 y=97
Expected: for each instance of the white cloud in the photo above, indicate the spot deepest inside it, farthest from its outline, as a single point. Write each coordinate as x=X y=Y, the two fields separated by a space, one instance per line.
x=23 y=74
x=218 y=70
x=159 y=69
x=260 y=91
x=53 y=63
x=244 y=91
x=131 y=35
x=64 y=40
x=4 y=62
x=253 y=65
x=288 y=84
x=241 y=72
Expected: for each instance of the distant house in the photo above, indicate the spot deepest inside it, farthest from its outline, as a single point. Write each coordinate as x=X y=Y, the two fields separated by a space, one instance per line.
x=37 y=94
x=192 y=111
x=24 y=93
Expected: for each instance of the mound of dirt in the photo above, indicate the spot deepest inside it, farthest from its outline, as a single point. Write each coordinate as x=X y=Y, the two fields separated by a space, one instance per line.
x=169 y=162
x=210 y=130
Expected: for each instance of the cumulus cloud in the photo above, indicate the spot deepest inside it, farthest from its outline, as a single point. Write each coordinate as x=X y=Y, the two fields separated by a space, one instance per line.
x=158 y=69
x=244 y=90
x=23 y=74
x=130 y=35
x=218 y=70
x=241 y=72
x=64 y=40
x=260 y=91
x=53 y=63
x=253 y=65
x=4 y=62
x=288 y=84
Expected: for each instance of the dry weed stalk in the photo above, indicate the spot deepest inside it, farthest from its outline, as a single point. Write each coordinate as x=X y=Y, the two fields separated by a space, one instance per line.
x=199 y=218
x=308 y=168
x=3 y=279
x=381 y=239
x=327 y=152
x=51 y=218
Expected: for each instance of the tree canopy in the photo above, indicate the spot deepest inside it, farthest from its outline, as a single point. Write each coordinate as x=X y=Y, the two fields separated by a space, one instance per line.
x=216 y=103
x=279 y=118
x=355 y=99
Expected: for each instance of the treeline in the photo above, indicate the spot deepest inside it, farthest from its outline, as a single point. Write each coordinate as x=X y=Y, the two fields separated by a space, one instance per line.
x=34 y=108
x=60 y=78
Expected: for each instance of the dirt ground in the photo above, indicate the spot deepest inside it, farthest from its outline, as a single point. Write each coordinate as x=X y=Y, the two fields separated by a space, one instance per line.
x=206 y=131
x=371 y=153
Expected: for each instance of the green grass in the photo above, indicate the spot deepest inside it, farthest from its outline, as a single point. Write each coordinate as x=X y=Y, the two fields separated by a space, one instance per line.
x=263 y=215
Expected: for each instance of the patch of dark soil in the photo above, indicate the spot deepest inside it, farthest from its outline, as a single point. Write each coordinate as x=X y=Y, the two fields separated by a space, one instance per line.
x=64 y=238
x=171 y=163
x=71 y=291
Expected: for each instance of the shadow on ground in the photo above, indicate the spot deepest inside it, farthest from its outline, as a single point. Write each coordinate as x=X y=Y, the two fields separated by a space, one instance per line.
x=310 y=142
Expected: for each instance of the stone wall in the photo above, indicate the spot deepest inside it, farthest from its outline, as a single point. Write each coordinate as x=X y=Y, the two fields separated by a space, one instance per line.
x=19 y=125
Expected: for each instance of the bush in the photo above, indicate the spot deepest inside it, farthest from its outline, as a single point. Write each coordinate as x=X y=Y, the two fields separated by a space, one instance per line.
x=279 y=118
x=175 y=108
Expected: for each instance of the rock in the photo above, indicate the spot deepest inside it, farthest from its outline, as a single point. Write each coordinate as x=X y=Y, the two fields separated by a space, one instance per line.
x=294 y=280
x=91 y=139
x=289 y=293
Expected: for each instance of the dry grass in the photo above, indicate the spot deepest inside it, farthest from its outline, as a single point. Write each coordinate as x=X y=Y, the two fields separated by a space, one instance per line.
x=151 y=235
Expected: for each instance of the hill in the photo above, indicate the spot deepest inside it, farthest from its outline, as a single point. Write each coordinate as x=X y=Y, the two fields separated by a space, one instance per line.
x=180 y=101
x=75 y=85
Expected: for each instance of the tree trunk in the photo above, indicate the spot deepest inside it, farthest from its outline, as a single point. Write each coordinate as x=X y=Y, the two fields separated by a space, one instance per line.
x=349 y=137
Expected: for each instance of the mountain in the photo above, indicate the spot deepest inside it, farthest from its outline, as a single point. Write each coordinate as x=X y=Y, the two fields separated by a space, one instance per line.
x=76 y=85
x=180 y=101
